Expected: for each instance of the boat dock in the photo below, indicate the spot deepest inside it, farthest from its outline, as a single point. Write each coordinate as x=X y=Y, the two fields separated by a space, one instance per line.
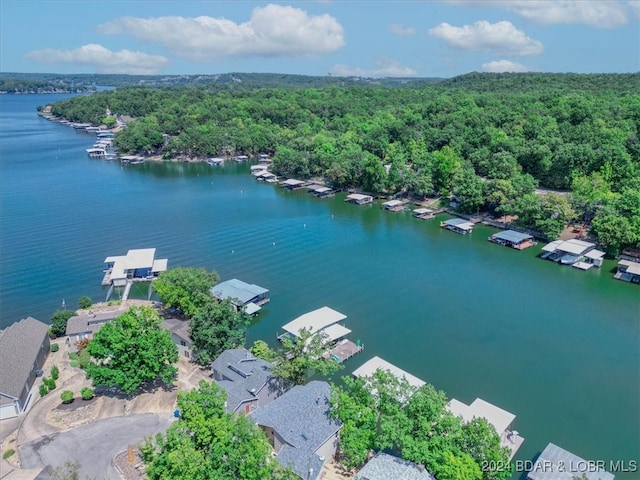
x=344 y=350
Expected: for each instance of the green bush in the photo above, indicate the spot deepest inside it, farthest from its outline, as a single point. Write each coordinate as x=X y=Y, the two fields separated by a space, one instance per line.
x=55 y=347
x=59 y=322
x=8 y=453
x=73 y=356
x=86 y=393
x=50 y=383
x=66 y=396
x=84 y=302
x=55 y=372
x=84 y=358
x=43 y=390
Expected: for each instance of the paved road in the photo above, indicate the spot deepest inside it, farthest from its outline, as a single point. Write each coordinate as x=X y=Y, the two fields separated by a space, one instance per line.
x=94 y=445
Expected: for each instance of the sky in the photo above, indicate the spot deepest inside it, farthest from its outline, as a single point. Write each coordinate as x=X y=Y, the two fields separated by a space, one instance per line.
x=376 y=38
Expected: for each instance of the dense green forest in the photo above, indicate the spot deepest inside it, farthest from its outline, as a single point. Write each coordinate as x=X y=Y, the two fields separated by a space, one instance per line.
x=28 y=85
x=486 y=141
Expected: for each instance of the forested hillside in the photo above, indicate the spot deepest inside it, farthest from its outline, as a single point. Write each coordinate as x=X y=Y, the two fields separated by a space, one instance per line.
x=486 y=139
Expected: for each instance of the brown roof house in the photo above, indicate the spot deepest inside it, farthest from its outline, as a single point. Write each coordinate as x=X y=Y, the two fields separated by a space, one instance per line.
x=23 y=350
x=299 y=428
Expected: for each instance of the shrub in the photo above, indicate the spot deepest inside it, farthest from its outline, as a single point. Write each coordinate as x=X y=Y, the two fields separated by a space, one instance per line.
x=50 y=383
x=55 y=347
x=82 y=343
x=73 y=355
x=66 y=396
x=55 y=372
x=84 y=358
x=86 y=393
x=59 y=321
x=74 y=363
x=84 y=302
x=43 y=389
x=8 y=453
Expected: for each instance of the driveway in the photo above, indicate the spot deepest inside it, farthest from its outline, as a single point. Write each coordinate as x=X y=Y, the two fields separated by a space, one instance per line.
x=95 y=445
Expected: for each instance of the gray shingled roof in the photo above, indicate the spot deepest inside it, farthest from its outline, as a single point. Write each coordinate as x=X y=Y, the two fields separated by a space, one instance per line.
x=89 y=323
x=180 y=328
x=246 y=375
x=20 y=344
x=301 y=418
x=385 y=467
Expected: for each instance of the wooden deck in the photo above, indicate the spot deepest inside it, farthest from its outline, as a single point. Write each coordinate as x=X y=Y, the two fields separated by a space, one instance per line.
x=344 y=350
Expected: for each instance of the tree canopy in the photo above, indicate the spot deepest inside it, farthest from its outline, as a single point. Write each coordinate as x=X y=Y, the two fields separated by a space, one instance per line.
x=132 y=350
x=207 y=442
x=383 y=412
x=487 y=139
x=215 y=327
x=59 y=321
x=185 y=288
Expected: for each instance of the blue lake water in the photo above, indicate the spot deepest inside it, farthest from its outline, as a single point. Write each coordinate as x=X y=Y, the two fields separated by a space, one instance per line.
x=558 y=347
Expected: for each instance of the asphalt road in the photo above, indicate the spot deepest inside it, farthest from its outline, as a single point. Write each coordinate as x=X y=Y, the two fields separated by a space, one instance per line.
x=93 y=445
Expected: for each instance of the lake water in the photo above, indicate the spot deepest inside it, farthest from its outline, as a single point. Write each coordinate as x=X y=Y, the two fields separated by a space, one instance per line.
x=558 y=347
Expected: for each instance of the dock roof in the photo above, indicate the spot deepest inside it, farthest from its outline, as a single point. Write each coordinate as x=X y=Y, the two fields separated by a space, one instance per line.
x=235 y=288
x=555 y=463
x=314 y=321
x=573 y=246
x=358 y=196
x=292 y=182
x=459 y=223
x=335 y=331
x=496 y=416
x=376 y=363
x=422 y=211
x=512 y=236
x=392 y=203
x=632 y=267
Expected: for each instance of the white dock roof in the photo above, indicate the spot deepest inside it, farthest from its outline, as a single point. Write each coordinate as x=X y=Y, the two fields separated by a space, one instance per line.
x=573 y=246
x=594 y=254
x=376 y=363
x=421 y=211
x=314 y=321
x=496 y=416
x=293 y=182
x=556 y=463
x=358 y=196
x=159 y=265
x=335 y=331
x=632 y=267
x=392 y=203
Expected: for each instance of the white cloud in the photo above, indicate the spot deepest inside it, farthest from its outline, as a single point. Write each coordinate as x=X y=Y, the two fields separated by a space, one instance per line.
x=385 y=67
x=635 y=7
x=273 y=30
x=500 y=38
x=599 y=14
x=103 y=59
x=402 y=30
x=500 y=66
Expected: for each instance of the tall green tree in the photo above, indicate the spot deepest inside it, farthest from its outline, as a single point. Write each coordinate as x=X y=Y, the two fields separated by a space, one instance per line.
x=131 y=351
x=185 y=288
x=215 y=327
x=59 y=321
x=207 y=442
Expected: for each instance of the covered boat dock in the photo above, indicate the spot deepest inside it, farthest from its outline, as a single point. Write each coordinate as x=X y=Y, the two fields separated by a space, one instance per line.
x=513 y=239
x=359 y=198
x=458 y=225
x=370 y=367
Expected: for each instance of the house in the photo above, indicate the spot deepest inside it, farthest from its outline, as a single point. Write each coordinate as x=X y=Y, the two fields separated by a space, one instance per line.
x=137 y=264
x=578 y=253
x=359 y=198
x=23 y=350
x=80 y=327
x=393 y=205
x=384 y=467
x=500 y=419
x=370 y=367
x=247 y=380
x=299 y=428
x=458 y=225
x=555 y=463
x=243 y=295
x=513 y=239
x=323 y=320
x=179 y=330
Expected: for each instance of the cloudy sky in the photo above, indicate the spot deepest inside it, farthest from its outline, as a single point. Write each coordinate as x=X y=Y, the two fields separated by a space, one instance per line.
x=378 y=38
